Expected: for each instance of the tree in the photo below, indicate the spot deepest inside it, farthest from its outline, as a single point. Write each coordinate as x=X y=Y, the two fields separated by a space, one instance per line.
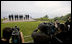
x=46 y=16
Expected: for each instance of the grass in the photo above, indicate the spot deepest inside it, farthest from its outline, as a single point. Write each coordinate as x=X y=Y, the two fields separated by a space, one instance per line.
x=25 y=27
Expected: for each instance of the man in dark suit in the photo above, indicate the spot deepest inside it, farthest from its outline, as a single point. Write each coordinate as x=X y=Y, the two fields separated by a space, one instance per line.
x=12 y=17
x=9 y=17
x=16 y=17
x=21 y=17
x=28 y=17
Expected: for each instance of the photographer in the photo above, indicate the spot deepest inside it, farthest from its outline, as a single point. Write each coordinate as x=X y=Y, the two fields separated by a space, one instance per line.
x=42 y=33
x=7 y=34
x=63 y=36
x=17 y=36
x=56 y=23
x=68 y=24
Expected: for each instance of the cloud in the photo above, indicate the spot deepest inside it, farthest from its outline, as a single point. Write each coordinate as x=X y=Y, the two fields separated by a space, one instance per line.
x=47 y=4
x=36 y=8
x=55 y=8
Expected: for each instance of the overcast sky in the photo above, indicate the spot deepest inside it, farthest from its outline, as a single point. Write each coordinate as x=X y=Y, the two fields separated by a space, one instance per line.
x=36 y=9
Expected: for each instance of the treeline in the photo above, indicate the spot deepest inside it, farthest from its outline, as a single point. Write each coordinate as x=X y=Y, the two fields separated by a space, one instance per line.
x=61 y=19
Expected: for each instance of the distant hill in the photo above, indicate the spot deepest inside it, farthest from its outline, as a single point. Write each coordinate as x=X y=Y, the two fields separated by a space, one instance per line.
x=63 y=17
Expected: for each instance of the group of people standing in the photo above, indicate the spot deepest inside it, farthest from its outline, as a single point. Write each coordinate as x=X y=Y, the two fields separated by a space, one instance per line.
x=20 y=17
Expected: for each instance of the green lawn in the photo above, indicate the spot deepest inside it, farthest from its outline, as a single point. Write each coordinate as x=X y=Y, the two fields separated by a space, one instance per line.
x=25 y=27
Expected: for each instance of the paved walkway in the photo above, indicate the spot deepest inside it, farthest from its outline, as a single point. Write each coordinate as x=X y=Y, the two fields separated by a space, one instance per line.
x=5 y=21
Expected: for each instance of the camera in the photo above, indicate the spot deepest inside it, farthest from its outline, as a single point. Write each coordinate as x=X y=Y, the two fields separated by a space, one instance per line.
x=47 y=27
x=15 y=35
